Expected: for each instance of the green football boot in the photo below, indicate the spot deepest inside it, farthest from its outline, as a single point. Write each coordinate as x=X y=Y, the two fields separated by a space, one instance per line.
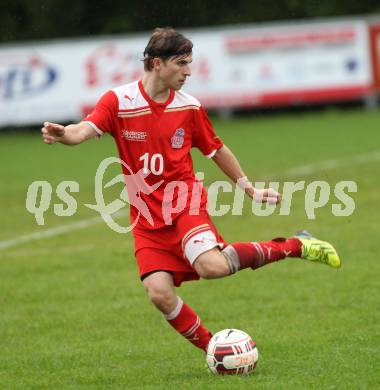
x=317 y=250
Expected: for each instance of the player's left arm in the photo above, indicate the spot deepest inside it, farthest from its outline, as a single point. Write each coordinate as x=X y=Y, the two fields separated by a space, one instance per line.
x=230 y=165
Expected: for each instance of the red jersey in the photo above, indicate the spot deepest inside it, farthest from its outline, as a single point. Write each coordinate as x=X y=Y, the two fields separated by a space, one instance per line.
x=154 y=140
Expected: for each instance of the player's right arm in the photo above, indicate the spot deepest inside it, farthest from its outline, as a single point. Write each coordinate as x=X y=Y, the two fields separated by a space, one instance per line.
x=68 y=135
x=102 y=119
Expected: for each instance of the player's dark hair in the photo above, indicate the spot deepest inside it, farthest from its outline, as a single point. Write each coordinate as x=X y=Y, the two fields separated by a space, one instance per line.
x=165 y=43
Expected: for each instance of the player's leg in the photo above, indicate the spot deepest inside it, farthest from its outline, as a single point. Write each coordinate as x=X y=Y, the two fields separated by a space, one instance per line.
x=212 y=257
x=215 y=263
x=243 y=255
x=203 y=249
x=212 y=264
x=161 y=291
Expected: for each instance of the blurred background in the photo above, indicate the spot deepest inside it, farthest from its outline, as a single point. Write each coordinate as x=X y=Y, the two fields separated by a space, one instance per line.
x=34 y=19
x=254 y=55
x=293 y=89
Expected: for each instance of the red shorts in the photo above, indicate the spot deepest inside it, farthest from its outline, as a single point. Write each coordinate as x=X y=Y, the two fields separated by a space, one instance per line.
x=174 y=248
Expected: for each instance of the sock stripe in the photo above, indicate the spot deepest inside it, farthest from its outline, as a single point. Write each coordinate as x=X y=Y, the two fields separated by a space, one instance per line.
x=190 y=331
x=260 y=251
x=193 y=329
x=257 y=250
x=190 y=326
x=176 y=310
x=262 y=254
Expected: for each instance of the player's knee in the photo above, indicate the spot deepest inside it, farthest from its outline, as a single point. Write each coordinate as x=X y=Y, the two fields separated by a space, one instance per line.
x=161 y=292
x=161 y=297
x=211 y=265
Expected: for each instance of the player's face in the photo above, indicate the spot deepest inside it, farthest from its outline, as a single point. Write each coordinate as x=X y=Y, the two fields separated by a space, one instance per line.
x=175 y=71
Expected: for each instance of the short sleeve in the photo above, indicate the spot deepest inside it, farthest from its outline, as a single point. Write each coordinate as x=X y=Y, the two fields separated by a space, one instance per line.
x=204 y=136
x=102 y=118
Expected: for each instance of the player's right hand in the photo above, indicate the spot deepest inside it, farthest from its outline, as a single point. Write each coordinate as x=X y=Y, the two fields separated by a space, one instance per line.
x=52 y=132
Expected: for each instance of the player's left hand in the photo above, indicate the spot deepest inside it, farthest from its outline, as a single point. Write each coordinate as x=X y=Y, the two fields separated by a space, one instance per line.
x=267 y=195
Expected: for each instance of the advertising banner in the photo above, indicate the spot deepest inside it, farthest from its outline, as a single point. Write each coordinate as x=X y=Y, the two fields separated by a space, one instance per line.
x=271 y=65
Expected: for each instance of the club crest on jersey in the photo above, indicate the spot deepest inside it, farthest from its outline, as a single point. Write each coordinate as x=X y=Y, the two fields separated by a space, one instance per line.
x=178 y=138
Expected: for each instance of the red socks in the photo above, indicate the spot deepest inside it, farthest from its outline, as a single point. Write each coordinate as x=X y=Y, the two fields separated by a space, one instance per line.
x=239 y=255
x=186 y=322
x=258 y=254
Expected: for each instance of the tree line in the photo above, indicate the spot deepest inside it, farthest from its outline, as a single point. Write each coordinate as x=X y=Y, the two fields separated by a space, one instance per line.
x=22 y=20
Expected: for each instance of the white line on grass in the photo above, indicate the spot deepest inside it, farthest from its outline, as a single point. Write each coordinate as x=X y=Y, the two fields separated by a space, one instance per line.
x=56 y=231
x=331 y=164
x=292 y=172
x=41 y=251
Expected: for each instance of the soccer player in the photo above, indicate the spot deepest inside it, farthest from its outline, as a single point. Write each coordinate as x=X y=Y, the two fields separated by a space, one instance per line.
x=155 y=125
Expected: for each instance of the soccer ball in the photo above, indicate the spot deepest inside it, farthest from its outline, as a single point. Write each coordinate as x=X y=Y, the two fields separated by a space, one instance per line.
x=232 y=351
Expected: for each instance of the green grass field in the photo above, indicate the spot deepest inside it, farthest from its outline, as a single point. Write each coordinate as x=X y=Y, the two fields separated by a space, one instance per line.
x=74 y=314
